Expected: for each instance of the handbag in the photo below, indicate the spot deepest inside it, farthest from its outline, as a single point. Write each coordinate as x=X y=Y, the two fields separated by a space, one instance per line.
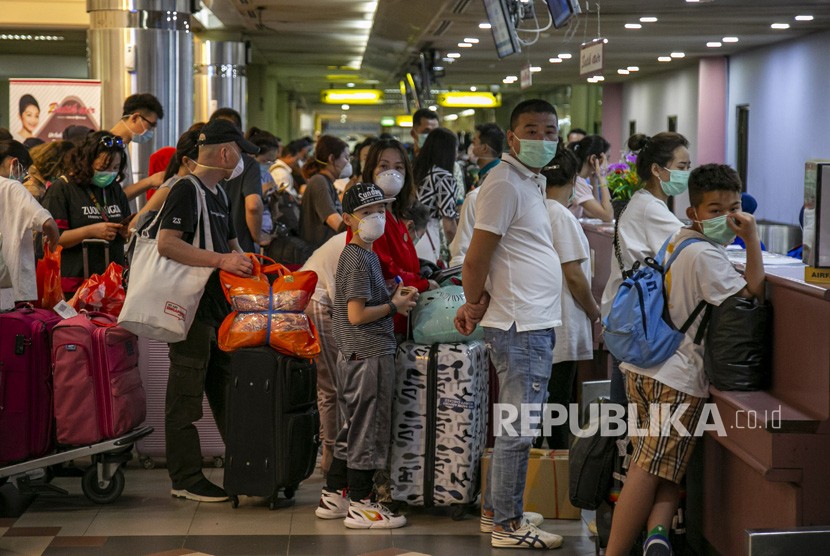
x=433 y=318
x=163 y=294
x=737 y=350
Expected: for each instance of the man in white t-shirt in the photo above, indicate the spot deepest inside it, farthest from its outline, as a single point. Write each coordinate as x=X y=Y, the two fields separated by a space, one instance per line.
x=512 y=280
x=282 y=170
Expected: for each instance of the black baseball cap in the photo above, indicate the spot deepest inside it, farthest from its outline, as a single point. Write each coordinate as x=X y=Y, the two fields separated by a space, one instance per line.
x=219 y=131
x=362 y=195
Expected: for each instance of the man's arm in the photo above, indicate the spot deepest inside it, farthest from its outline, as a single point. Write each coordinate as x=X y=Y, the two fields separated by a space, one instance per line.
x=172 y=246
x=253 y=215
x=139 y=187
x=473 y=277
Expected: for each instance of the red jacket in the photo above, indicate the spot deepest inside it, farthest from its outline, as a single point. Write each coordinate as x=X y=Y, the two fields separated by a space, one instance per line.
x=397 y=255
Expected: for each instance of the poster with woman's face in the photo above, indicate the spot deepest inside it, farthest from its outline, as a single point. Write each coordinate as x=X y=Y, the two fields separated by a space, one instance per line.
x=43 y=108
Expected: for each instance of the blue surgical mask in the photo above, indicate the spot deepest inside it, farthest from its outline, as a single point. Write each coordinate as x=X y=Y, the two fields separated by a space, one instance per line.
x=422 y=137
x=535 y=153
x=144 y=137
x=678 y=182
x=717 y=229
x=103 y=179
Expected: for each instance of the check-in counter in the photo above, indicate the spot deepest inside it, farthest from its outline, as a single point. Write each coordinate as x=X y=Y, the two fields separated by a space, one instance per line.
x=772 y=468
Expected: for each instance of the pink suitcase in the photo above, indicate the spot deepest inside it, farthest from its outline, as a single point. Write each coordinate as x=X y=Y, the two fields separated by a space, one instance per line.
x=97 y=386
x=25 y=383
x=154 y=365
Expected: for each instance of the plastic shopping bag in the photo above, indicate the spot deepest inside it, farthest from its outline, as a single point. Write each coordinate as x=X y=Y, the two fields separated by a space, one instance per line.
x=433 y=319
x=48 y=275
x=102 y=293
x=268 y=308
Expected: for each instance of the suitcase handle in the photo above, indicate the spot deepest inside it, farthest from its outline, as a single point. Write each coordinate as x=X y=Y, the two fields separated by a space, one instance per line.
x=110 y=321
x=85 y=250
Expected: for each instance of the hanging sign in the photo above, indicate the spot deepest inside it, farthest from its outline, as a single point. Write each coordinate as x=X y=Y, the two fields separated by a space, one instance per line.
x=527 y=77
x=591 y=56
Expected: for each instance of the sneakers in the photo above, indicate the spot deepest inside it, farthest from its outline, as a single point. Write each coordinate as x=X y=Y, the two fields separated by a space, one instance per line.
x=486 y=523
x=526 y=536
x=333 y=505
x=203 y=491
x=657 y=543
x=366 y=514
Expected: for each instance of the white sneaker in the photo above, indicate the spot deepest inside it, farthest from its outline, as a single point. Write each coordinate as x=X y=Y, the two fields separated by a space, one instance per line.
x=486 y=523
x=333 y=505
x=371 y=515
x=526 y=536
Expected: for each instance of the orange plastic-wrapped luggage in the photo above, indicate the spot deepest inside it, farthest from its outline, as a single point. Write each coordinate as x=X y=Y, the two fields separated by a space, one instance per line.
x=268 y=309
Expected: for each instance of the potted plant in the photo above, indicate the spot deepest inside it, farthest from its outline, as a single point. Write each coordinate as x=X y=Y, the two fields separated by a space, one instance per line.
x=623 y=182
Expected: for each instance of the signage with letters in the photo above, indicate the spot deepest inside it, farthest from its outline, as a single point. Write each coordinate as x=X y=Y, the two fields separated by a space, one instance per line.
x=591 y=58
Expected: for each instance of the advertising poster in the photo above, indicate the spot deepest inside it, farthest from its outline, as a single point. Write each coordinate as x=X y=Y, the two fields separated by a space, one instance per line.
x=43 y=108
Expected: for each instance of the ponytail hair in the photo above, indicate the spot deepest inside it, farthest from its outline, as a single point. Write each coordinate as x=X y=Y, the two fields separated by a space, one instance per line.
x=562 y=169
x=327 y=145
x=654 y=150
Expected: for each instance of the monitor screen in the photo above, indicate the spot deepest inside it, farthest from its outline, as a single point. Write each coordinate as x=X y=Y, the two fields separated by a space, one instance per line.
x=504 y=33
x=562 y=11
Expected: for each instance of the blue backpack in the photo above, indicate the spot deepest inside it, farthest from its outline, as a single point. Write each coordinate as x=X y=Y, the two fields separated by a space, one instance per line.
x=638 y=329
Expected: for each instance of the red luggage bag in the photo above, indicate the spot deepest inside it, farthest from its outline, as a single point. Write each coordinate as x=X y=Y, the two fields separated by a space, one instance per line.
x=98 y=389
x=25 y=383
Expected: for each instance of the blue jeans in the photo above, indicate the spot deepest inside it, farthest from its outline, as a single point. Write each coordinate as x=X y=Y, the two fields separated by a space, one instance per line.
x=523 y=362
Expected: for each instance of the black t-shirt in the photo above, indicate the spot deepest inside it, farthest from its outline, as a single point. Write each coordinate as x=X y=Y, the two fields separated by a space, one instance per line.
x=72 y=207
x=238 y=188
x=180 y=213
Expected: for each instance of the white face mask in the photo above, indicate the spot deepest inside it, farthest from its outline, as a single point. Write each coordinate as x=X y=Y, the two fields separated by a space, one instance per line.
x=346 y=172
x=390 y=182
x=371 y=228
x=238 y=169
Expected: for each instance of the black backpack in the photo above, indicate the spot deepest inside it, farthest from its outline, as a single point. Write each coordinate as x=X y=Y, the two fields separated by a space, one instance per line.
x=285 y=212
x=591 y=463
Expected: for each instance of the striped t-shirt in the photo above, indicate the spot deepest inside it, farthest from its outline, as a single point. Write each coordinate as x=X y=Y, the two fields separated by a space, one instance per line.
x=359 y=277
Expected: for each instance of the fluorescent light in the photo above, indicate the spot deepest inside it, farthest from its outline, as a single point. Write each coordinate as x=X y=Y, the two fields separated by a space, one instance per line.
x=464 y=45
x=450 y=117
x=714 y=44
x=535 y=69
x=623 y=71
x=433 y=107
x=507 y=81
x=350 y=85
x=469 y=112
x=599 y=78
x=633 y=68
x=471 y=40
x=730 y=39
x=566 y=56
x=450 y=60
x=459 y=99
x=555 y=60
x=484 y=25
x=473 y=89
x=512 y=78
x=664 y=59
x=648 y=19
x=633 y=26
x=804 y=18
x=453 y=55
x=353 y=96
x=678 y=55
x=780 y=25
x=344 y=107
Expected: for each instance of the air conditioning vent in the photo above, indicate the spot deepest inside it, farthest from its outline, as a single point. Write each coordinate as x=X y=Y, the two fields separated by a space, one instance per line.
x=251 y=14
x=461 y=6
x=442 y=28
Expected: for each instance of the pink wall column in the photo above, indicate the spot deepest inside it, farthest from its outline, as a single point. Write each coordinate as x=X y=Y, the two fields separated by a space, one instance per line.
x=612 y=125
x=711 y=113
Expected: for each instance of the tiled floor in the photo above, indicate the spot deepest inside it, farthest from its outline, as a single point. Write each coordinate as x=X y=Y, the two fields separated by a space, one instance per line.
x=146 y=520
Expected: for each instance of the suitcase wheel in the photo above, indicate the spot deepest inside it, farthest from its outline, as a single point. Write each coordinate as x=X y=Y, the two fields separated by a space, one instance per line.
x=148 y=463
x=289 y=492
x=218 y=462
x=102 y=493
x=234 y=502
x=459 y=512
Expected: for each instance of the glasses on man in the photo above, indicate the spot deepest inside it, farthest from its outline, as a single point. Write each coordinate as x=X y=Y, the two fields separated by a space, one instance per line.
x=149 y=122
x=110 y=141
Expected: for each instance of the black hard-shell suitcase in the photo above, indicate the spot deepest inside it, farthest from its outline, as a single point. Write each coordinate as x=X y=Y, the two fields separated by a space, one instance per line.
x=273 y=425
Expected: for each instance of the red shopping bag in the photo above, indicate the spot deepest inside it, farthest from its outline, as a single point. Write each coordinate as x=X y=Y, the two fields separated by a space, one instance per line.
x=102 y=292
x=48 y=276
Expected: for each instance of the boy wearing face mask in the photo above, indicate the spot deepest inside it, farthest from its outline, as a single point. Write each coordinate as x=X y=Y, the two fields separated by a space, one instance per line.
x=701 y=272
x=365 y=372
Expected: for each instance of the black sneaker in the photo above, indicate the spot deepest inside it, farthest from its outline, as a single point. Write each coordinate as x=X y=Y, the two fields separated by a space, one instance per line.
x=203 y=491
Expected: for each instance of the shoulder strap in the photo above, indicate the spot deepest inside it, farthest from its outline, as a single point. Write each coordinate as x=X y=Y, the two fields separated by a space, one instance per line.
x=617 y=250
x=700 y=306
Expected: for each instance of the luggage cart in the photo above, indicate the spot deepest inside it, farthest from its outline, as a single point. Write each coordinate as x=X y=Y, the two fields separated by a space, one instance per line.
x=102 y=482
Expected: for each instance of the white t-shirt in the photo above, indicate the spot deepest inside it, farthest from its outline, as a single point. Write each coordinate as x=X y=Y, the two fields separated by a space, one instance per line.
x=574 y=340
x=281 y=172
x=324 y=262
x=21 y=216
x=644 y=227
x=525 y=277
x=582 y=192
x=701 y=272
x=464 y=233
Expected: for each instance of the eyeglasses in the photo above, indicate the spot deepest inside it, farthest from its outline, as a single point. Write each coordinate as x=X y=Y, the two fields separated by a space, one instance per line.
x=152 y=124
x=110 y=141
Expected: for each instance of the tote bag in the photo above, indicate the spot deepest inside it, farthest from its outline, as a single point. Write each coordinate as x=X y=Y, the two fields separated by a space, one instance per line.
x=5 y=275
x=163 y=295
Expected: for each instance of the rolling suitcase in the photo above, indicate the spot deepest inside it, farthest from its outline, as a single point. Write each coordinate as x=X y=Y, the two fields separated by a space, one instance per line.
x=97 y=387
x=153 y=365
x=439 y=423
x=273 y=425
x=25 y=383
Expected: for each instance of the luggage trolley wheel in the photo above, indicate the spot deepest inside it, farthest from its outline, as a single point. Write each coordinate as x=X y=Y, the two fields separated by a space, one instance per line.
x=234 y=501
x=98 y=493
x=148 y=463
x=218 y=462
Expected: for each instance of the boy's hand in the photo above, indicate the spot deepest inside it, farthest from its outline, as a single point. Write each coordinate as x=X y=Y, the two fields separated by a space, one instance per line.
x=743 y=224
x=404 y=298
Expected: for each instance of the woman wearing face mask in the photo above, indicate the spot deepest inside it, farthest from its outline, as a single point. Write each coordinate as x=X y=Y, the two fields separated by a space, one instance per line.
x=433 y=172
x=592 y=154
x=321 y=214
x=663 y=166
x=88 y=203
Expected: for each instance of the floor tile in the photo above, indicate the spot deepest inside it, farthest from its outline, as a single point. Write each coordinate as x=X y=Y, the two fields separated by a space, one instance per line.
x=123 y=546
x=252 y=517
x=71 y=522
x=234 y=545
x=69 y=542
x=32 y=531
x=435 y=545
x=24 y=546
x=312 y=545
x=165 y=517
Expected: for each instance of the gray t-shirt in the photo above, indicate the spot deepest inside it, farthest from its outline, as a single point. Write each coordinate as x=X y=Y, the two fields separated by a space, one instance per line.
x=320 y=201
x=359 y=277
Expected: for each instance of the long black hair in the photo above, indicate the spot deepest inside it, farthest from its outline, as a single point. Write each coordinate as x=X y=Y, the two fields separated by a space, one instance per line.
x=439 y=150
x=655 y=150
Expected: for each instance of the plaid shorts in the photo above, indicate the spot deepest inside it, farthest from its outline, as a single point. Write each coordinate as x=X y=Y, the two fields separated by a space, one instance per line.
x=662 y=451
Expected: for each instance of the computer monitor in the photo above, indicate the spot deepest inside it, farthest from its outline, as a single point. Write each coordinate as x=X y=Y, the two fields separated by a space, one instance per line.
x=562 y=11
x=501 y=24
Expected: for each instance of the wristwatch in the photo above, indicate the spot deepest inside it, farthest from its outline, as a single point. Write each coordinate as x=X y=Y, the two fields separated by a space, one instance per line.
x=393 y=309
